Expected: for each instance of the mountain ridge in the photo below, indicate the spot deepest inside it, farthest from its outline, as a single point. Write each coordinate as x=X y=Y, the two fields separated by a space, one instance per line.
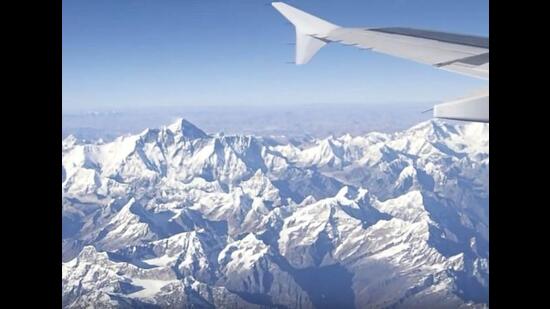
x=400 y=219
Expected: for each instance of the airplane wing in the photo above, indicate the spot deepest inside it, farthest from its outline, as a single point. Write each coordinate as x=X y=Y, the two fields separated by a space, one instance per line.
x=463 y=54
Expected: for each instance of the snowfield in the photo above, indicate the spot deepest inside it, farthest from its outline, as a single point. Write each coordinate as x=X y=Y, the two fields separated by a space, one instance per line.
x=176 y=217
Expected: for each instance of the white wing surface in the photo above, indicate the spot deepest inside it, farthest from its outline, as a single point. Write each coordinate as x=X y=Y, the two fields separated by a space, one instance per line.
x=463 y=54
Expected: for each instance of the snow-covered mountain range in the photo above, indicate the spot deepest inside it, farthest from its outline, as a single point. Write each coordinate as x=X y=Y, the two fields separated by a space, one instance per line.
x=177 y=218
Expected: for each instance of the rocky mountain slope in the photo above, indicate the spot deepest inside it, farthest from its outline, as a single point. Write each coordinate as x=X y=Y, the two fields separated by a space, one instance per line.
x=175 y=217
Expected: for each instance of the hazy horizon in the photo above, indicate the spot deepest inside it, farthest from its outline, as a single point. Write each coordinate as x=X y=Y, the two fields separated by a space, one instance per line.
x=291 y=120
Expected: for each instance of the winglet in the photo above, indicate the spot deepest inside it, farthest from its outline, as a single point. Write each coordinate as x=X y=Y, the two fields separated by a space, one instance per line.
x=309 y=31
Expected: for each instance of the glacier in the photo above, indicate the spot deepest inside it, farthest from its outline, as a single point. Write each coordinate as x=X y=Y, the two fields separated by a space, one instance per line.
x=174 y=217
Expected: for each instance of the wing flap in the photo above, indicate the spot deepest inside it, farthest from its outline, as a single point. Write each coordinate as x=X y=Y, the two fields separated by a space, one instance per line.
x=473 y=108
x=413 y=48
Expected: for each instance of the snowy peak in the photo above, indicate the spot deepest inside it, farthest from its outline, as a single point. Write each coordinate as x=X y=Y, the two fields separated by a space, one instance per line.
x=186 y=129
x=241 y=255
x=69 y=141
x=260 y=186
x=432 y=128
x=185 y=219
x=408 y=207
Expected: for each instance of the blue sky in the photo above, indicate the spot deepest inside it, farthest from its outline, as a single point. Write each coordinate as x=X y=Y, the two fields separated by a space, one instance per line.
x=126 y=53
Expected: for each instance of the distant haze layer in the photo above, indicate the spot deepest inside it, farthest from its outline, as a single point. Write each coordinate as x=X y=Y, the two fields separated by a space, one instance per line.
x=315 y=120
